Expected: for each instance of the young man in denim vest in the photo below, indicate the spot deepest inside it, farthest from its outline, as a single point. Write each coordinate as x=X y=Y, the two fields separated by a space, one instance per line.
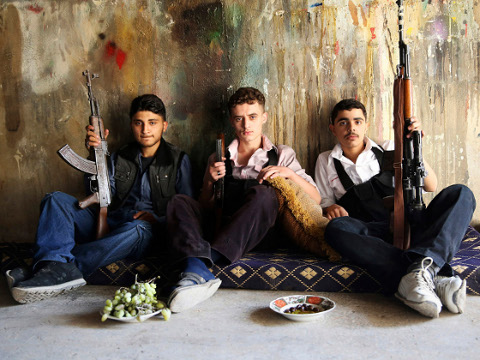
x=352 y=184
x=144 y=175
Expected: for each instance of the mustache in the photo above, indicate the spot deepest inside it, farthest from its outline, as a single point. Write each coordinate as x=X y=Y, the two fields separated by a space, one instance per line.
x=350 y=133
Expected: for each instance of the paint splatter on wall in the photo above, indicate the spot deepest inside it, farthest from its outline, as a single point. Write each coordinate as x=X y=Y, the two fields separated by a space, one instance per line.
x=305 y=56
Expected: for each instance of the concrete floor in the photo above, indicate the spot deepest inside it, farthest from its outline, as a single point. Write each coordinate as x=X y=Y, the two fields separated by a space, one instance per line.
x=234 y=324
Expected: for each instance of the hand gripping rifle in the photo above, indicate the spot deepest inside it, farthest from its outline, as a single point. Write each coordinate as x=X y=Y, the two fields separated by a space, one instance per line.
x=219 y=191
x=99 y=180
x=408 y=163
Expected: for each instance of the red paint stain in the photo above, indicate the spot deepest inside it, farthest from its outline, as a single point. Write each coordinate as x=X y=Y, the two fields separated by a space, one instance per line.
x=465 y=30
x=120 y=58
x=372 y=30
x=337 y=48
x=110 y=49
x=36 y=9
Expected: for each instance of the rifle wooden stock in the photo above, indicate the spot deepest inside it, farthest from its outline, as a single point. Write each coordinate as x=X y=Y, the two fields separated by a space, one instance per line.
x=102 y=224
x=401 y=230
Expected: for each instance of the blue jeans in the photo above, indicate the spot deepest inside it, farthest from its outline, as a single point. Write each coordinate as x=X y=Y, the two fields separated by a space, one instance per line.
x=66 y=233
x=437 y=233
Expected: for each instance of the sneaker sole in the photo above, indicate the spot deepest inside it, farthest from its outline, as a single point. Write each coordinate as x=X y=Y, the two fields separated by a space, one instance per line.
x=459 y=298
x=10 y=279
x=184 y=298
x=426 y=308
x=33 y=294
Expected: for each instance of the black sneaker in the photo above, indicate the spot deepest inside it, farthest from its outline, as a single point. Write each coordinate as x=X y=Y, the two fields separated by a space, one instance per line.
x=52 y=279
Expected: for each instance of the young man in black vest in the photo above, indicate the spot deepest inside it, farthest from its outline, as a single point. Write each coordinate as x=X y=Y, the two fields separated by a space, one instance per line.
x=144 y=175
x=352 y=185
x=250 y=207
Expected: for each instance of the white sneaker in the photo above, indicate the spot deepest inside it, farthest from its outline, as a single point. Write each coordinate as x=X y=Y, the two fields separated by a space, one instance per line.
x=452 y=291
x=417 y=290
x=191 y=290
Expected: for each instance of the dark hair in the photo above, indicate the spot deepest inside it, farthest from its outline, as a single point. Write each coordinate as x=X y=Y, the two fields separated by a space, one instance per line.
x=347 y=104
x=247 y=95
x=148 y=102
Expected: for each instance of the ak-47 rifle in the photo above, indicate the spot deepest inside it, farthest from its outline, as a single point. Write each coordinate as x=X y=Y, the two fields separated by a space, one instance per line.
x=99 y=180
x=408 y=163
x=220 y=184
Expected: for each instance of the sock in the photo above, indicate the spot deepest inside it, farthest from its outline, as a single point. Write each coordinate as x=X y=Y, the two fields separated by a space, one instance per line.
x=216 y=256
x=196 y=265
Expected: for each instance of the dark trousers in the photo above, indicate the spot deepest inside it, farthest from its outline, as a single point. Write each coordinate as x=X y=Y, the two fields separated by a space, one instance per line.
x=191 y=227
x=437 y=232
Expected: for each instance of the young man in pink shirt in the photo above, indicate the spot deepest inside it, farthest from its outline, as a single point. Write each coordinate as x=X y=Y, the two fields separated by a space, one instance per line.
x=250 y=204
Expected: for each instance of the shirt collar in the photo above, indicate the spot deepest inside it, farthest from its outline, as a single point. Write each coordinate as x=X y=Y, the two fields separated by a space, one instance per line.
x=337 y=152
x=267 y=145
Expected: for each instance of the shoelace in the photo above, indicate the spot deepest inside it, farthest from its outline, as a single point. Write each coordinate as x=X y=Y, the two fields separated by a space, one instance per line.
x=423 y=277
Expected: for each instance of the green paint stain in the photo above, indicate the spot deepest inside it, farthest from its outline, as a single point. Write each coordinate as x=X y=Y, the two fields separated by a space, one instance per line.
x=235 y=14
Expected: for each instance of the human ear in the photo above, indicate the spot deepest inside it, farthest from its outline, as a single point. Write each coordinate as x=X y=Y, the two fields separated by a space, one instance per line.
x=332 y=129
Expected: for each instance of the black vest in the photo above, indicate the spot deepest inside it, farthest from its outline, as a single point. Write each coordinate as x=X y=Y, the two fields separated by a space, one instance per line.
x=162 y=174
x=365 y=201
x=235 y=189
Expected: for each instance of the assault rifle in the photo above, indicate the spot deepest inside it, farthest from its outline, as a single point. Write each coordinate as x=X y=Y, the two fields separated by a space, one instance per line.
x=408 y=163
x=99 y=181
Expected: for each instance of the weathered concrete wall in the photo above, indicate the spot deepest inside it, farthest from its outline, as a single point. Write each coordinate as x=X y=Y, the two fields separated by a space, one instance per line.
x=304 y=55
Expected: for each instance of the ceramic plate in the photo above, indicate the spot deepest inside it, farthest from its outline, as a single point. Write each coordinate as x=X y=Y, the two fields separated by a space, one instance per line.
x=282 y=304
x=133 y=318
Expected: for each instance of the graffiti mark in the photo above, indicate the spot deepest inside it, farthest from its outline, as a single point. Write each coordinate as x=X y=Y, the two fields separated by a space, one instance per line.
x=372 y=30
x=337 y=48
x=111 y=50
x=36 y=9
x=120 y=58
x=316 y=5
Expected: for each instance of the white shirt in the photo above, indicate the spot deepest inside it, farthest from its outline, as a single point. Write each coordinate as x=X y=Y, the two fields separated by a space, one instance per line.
x=326 y=177
x=286 y=157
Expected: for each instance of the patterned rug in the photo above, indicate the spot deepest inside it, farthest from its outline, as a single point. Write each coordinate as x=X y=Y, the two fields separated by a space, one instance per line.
x=285 y=269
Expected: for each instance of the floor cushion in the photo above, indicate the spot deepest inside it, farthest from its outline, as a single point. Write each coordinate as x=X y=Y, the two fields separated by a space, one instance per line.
x=285 y=269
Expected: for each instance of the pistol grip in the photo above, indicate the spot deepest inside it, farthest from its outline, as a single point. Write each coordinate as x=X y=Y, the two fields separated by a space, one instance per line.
x=92 y=199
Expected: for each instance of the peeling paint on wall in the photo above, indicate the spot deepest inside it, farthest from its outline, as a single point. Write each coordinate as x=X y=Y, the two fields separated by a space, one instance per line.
x=304 y=55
